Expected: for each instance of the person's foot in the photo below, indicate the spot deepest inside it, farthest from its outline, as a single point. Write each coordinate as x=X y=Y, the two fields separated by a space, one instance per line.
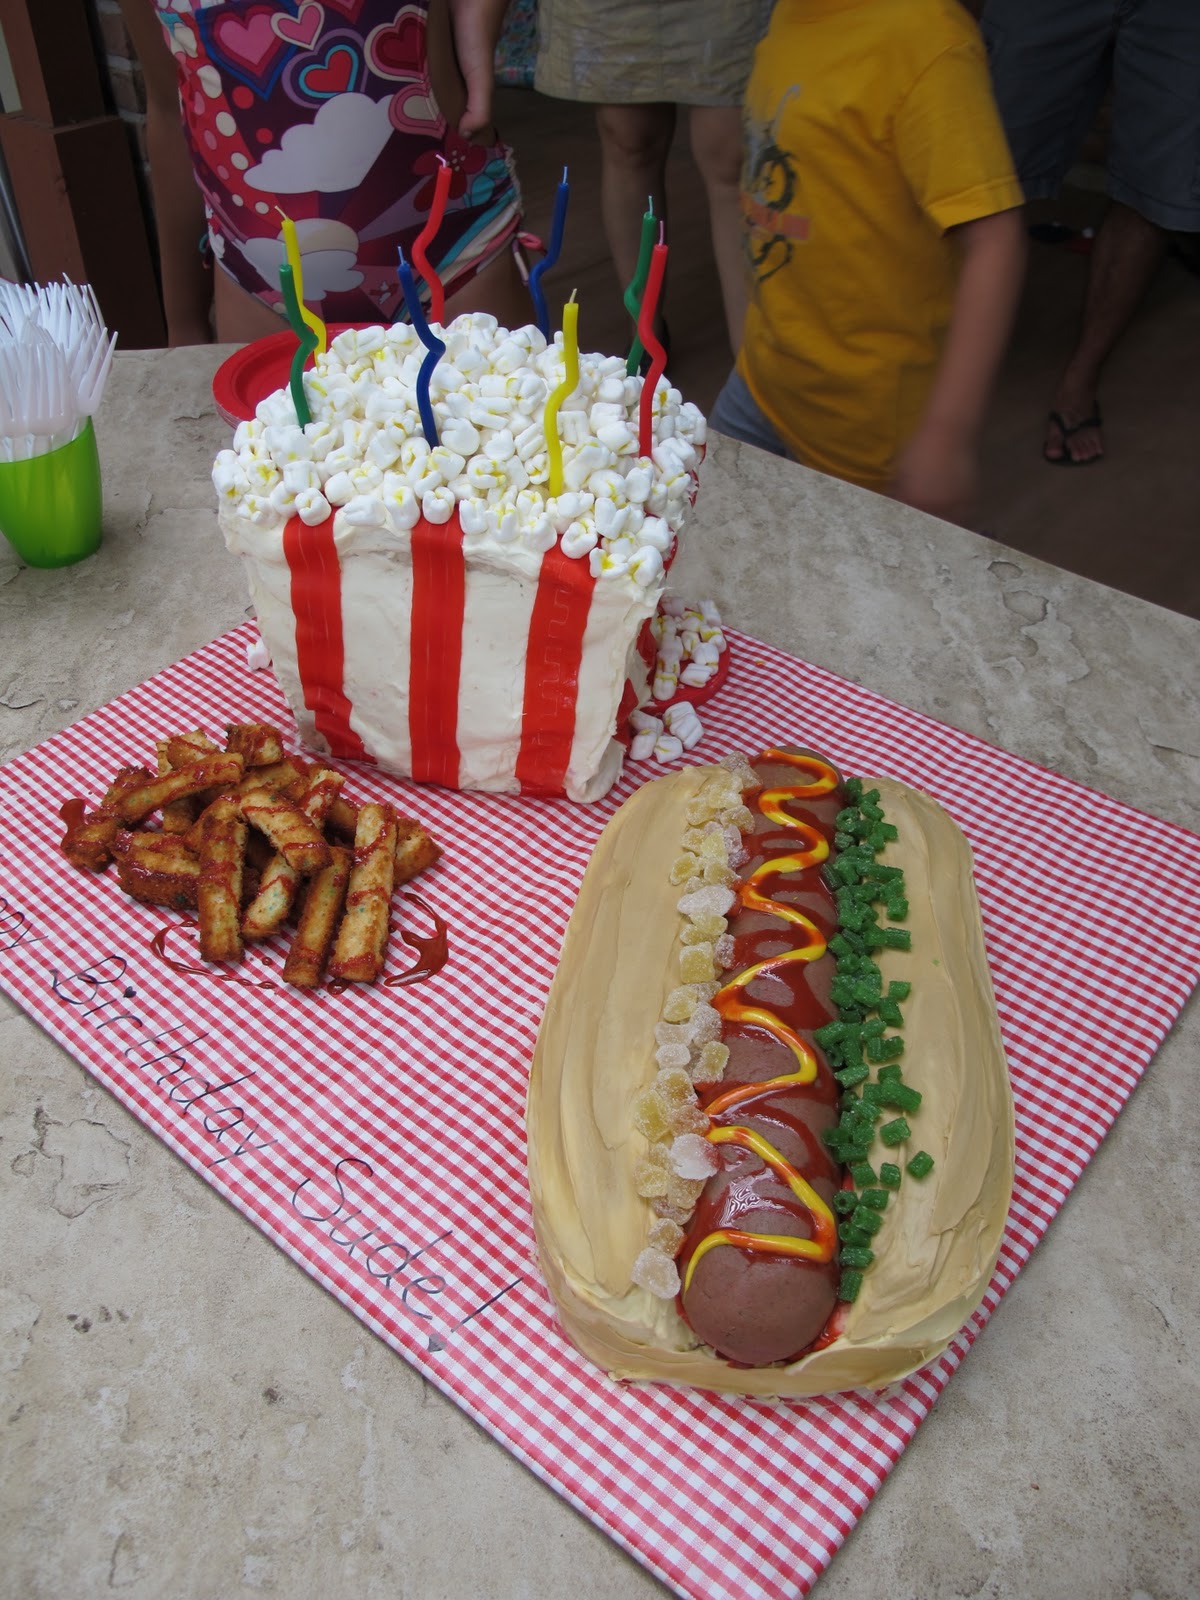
x=1073 y=436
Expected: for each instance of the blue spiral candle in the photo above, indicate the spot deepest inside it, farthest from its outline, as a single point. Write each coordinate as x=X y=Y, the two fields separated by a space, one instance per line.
x=433 y=345
x=540 y=312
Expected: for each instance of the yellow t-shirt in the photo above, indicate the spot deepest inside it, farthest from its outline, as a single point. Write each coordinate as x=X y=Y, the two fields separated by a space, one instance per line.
x=871 y=130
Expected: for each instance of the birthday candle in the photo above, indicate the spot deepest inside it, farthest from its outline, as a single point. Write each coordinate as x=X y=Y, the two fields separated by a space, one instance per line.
x=633 y=294
x=307 y=343
x=540 y=311
x=291 y=245
x=570 y=383
x=654 y=281
x=437 y=210
x=433 y=345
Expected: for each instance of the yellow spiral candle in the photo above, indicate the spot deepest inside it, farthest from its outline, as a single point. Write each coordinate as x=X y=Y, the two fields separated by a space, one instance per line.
x=570 y=332
x=292 y=246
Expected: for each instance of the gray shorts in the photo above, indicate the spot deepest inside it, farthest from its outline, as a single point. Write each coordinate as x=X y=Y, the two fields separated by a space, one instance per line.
x=736 y=414
x=1053 y=60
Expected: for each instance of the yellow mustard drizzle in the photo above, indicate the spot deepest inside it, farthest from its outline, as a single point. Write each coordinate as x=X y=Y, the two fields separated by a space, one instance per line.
x=749 y=895
x=726 y=1002
x=824 y=1241
x=771 y=803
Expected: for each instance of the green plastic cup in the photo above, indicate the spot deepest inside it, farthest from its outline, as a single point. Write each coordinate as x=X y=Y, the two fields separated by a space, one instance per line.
x=51 y=505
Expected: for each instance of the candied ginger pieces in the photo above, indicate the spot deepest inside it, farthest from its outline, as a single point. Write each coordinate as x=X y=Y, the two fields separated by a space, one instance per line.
x=298 y=839
x=89 y=836
x=656 y=1272
x=258 y=744
x=710 y=901
x=683 y=868
x=704 y=1026
x=696 y=965
x=693 y=1157
x=744 y=775
x=666 y=1236
x=688 y=1118
x=361 y=944
x=709 y=1065
x=682 y=1194
x=652 y=1173
x=674 y=1085
x=679 y=1004
x=651 y=1116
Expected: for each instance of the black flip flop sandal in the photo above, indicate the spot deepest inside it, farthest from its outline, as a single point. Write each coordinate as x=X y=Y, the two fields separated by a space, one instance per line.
x=1067 y=459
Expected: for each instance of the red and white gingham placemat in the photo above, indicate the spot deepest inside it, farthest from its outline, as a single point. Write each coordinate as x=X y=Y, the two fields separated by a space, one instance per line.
x=377 y=1136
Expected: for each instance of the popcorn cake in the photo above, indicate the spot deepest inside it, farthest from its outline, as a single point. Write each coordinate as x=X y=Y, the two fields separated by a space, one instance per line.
x=437 y=610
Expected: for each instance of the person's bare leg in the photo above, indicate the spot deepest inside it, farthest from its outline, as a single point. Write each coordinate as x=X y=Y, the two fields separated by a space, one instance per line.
x=716 y=133
x=1125 y=256
x=498 y=288
x=634 y=143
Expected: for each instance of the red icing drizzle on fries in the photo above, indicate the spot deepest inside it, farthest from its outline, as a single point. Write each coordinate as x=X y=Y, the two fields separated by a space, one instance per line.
x=432 y=949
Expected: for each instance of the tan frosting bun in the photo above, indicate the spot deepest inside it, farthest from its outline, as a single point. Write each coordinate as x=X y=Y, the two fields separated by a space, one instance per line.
x=595 y=1055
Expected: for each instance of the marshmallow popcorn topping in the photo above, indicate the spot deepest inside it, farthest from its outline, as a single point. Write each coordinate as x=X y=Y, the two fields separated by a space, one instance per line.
x=364 y=456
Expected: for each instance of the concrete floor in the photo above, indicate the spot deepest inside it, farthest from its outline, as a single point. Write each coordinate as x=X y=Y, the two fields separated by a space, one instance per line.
x=1130 y=523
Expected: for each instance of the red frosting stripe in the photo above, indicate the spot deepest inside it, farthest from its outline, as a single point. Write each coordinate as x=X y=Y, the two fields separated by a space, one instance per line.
x=629 y=702
x=553 y=656
x=435 y=650
x=320 y=653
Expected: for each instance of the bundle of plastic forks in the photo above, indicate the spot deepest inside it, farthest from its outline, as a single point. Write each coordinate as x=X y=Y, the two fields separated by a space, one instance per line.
x=55 y=354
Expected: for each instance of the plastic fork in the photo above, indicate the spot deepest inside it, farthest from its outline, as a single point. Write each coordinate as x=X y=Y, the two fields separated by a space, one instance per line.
x=55 y=357
x=89 y=383
x=38 y=399
x=52 y=404
x=16 y=386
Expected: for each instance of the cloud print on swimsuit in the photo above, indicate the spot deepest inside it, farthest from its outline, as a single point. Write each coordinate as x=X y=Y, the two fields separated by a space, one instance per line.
x=333 y=152
x=329 y=251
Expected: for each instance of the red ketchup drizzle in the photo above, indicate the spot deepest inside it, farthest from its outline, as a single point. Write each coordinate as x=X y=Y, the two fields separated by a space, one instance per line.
x=218 y=974
x=552 y=660
x=433 y=951
x=439 y=597
x=794 y=993
x=316 y=596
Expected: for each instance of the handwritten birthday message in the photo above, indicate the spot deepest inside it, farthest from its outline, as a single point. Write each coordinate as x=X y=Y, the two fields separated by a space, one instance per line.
x=207 y=1081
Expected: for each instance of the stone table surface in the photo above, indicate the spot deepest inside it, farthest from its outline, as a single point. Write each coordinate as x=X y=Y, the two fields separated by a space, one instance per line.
x=186 y=1414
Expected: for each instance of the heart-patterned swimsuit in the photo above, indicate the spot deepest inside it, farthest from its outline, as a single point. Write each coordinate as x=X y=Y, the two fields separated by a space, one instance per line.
x=323 y=109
